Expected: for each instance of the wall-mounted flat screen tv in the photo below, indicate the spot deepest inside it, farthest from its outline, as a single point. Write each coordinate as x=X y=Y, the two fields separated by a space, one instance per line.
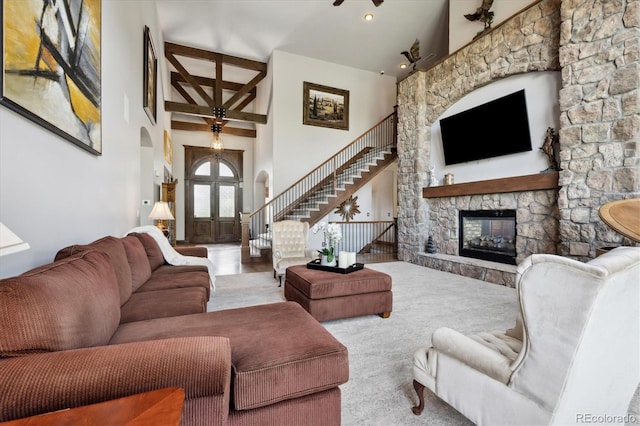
x=493 y=129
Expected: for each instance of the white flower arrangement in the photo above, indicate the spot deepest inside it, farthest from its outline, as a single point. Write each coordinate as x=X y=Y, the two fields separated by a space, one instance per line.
x=332 y=236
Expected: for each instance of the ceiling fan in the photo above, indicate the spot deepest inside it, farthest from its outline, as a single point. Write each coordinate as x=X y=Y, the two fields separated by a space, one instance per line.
x=375 y=2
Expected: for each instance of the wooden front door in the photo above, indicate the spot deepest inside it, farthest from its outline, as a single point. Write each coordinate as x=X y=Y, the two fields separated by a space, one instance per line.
x=213 y=196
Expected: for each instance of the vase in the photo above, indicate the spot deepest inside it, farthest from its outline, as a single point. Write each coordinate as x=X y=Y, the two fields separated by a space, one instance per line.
x=325 y=262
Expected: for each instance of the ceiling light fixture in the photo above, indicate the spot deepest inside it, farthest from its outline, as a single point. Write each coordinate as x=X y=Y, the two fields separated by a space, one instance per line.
x=403 y=66
x=217 y=145
x=368 y=17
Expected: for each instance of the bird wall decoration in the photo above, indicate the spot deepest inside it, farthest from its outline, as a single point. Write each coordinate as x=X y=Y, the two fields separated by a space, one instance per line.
x=551 y=148
x=482 y=14
x=413 y=55
x=376 y=3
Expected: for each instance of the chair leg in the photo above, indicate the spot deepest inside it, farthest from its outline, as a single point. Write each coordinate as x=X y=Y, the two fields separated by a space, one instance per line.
x=419 y=387
x=280 y=279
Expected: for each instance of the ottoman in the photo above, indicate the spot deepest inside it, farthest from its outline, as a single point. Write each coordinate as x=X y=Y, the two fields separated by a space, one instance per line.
x=329 y=295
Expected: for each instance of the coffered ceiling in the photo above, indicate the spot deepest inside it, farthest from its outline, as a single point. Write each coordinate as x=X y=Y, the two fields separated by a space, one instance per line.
x=253 y=29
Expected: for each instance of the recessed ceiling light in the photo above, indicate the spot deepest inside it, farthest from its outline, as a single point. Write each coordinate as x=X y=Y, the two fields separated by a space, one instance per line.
x=368 y=17
x=403 y=66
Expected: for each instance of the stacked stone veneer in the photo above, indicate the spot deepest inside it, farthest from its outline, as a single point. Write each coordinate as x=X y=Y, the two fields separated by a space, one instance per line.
x=595 y=46
x=600 y=124
x=536 y=230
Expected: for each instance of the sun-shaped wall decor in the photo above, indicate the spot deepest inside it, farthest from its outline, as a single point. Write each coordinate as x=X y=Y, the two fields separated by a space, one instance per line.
x=348 y=208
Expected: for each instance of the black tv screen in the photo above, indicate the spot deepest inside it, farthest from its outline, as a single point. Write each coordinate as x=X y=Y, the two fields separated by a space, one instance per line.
x=496 y=128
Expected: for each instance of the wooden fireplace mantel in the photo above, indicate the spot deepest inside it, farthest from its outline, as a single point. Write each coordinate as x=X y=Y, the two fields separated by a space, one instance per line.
x=536 y=182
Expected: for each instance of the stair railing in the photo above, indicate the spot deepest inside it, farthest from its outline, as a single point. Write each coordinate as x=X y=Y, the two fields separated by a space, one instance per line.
x=380 y=136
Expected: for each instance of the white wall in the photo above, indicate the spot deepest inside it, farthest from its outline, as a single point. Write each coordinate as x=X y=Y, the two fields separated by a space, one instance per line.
x=298 y=148
x=53 y=193
x=462 y=31
x=541 y=91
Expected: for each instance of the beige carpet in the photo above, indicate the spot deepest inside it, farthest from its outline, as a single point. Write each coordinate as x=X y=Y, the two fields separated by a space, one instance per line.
x=379 y=390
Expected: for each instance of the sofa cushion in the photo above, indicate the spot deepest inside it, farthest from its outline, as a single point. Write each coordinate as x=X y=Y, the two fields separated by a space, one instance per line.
x=278 y=351
x=138 y=261
x=69 y=304
x=156 y=259
x=114 y=248
x=164 y=303
x=179 y=276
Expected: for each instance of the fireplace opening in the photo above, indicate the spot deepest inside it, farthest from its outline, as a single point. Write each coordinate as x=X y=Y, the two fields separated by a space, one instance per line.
x=488 y=235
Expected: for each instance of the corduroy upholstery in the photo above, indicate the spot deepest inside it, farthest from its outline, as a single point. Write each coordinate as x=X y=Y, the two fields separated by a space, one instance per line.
x=328 y=295
x=49 y=308
x=138 y=261
x=113 y=248
x=53 y=381
x=156 y=259
x=278 y=351
x=65 y=341
x=150 y=288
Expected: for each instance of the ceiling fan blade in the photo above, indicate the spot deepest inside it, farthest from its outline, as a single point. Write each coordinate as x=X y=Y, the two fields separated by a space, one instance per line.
x=377 y=3
x=337 y=2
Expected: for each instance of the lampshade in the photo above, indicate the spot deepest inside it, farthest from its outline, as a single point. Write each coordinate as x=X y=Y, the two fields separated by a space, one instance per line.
x=10 y=242
x=161 y=211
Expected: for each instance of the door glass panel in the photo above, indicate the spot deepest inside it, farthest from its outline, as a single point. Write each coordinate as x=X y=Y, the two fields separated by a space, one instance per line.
x=227 y=201
x=204 y=169
x=224 y=170
x=201 y=201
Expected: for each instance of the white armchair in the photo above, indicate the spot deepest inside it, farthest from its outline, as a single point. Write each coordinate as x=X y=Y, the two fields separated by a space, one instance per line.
x=574 y=354
x=289 y=246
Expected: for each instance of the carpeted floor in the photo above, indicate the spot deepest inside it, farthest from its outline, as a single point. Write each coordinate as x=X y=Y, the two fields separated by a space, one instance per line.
x=379 y=390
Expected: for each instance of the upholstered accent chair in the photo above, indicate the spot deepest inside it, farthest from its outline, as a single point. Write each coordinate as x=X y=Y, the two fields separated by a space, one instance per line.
x=289 y=245
x=572 y=356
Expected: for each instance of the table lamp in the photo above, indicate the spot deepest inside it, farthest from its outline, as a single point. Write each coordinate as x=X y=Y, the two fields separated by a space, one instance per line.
x=159 y=213
x=10 y=242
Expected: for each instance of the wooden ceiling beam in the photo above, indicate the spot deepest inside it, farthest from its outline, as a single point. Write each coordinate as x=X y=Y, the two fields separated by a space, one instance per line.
x=192 y=52
x=208 y=82
x=243 y=96
x=205 y=111
x=176 y=79
x=247 y=87
x=185 y=74
x=199 y=127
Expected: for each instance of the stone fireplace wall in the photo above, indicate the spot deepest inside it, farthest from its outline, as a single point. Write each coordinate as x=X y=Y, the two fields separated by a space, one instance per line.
x=536 y=219
x=595 y=45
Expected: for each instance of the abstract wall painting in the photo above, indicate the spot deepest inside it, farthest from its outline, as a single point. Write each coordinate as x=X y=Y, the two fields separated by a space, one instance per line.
x=51 y=66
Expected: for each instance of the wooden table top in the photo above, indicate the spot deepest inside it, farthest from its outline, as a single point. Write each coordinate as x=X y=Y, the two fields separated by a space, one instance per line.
x=623 y=216
x=158 y=407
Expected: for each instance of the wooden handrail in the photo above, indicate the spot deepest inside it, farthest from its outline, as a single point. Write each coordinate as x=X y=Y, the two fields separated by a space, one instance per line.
x=332 y=175
x=335 y=155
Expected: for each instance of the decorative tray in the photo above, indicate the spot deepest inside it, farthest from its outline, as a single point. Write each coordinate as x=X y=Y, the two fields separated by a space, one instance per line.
x=315 y=264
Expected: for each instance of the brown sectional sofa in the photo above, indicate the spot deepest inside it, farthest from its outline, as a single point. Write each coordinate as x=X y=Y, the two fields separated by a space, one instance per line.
x=70 y=336
x=149 y=288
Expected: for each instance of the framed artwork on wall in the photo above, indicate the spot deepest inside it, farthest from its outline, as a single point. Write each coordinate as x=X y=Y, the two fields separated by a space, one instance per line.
x=325 y=106
x=150 y=77
x=51 y=67
x=168 y=148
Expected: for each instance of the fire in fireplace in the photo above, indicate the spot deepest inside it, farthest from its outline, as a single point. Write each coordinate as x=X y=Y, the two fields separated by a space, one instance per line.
x=488 y=235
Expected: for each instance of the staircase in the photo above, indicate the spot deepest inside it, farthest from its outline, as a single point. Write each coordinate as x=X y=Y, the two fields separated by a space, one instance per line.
x=321 y=191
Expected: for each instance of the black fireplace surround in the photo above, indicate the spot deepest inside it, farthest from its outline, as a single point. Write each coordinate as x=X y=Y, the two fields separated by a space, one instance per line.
x=488 y=235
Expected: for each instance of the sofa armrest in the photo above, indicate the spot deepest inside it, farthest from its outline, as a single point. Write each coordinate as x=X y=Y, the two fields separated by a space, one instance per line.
x=197 y=251
x=474 y=354
x=44 y=382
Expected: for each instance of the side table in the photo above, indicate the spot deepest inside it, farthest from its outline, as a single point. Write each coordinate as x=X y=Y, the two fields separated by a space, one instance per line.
x=158 y=407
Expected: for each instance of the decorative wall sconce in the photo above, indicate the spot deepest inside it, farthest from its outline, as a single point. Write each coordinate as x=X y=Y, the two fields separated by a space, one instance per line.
x=348 y=208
